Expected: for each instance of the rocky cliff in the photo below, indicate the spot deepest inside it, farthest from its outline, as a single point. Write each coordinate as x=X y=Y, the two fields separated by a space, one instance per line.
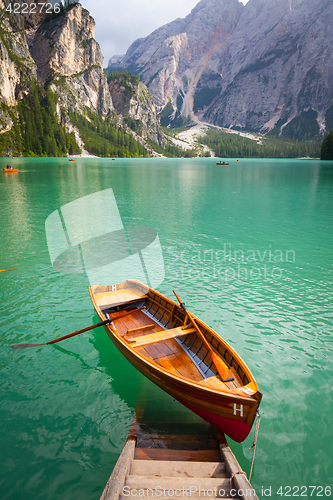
x=61 y=53
x=16 y=64
x=69 y=59
x=136 y=106
x=256 y=66
x=276 y=65
x=172 y=59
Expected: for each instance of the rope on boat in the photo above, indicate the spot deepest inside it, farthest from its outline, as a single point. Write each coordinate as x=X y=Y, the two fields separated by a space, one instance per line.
x=254 y=444
x=234 y=474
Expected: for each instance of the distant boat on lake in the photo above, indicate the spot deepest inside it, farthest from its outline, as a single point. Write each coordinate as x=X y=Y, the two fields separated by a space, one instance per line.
x=10 y=169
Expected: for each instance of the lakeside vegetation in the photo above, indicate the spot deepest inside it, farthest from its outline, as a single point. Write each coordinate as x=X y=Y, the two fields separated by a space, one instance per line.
x=37 y=129
x=104 y=138
x=326 y=152
x=171 y=150
x=229 y=145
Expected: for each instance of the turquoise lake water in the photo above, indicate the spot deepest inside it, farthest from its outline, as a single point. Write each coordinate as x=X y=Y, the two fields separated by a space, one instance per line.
x=247 y=246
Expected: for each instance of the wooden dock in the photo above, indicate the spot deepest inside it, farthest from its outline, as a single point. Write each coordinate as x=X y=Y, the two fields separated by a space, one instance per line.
x=177 y=462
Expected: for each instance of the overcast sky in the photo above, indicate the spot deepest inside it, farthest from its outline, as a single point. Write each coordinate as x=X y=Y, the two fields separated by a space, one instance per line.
x=120 y=22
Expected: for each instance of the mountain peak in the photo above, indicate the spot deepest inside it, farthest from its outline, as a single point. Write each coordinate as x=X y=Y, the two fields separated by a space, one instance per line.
x=255 y=66
x=172 y=59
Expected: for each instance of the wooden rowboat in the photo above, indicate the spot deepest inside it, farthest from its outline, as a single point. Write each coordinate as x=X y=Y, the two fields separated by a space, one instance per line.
x=158 y=338
x=222 y=163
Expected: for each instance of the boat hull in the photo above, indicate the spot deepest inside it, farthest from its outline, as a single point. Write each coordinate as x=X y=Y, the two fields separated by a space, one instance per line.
x=236 y=430
x=229 y=407
x=224 y=412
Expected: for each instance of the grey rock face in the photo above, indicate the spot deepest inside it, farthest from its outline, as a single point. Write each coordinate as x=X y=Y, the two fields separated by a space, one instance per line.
x=62 y=51
x=172 y=59
x=271 y=61
x=64 y=54
x=278 y=63
x=67 y=54
x=16 y=63
x=135 y=102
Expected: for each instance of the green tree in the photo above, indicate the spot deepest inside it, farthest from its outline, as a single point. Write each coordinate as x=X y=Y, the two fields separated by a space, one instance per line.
x=41 y=131
x=326 y=152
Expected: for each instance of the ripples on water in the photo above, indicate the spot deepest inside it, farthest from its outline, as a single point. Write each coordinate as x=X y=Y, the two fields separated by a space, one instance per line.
x=66 y=409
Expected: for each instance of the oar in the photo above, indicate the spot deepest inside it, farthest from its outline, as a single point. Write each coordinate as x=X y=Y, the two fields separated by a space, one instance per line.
x=3 y=270
x=105 y=322
x=221 y=367
x=21 y=346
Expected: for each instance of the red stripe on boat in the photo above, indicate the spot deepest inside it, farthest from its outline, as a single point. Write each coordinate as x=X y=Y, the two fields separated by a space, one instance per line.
x=238 y=431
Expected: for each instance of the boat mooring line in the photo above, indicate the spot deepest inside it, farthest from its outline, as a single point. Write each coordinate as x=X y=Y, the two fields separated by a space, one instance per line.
x=234 y=474
x=254 y=444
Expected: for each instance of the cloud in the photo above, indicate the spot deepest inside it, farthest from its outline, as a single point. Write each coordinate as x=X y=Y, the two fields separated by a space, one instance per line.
x=119 y=23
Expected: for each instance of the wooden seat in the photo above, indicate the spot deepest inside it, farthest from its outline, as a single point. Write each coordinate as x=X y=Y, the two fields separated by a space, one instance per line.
x=159 y=336
x=106 y=296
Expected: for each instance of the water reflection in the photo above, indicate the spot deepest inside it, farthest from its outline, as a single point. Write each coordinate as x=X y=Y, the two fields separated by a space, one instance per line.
x=66 y=411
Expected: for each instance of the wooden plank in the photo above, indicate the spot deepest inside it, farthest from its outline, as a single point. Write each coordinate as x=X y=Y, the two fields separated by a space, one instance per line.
x=185 y=365
x=239 y=479
x=137 y=320
x=123 y=312
x=196 y=485
x=156 y=337
x=237 y=381
x=140 y=329
x=170 y=355
x=178 y=455
x=133 y=494
x=163 y=349
x=131 y=303
x=118 y=477
x=176 y=442
x=163 y=468
x=133 y=322
x=157 y=303
x=155 y=351
x=165 y=363
x=216 y=383
x=122 y=324
x=115 y=298
x=149 y=351
x=213 y=382
x=101 y=300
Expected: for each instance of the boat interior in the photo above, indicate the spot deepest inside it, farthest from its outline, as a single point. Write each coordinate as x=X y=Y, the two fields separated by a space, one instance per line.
x=161 y=331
